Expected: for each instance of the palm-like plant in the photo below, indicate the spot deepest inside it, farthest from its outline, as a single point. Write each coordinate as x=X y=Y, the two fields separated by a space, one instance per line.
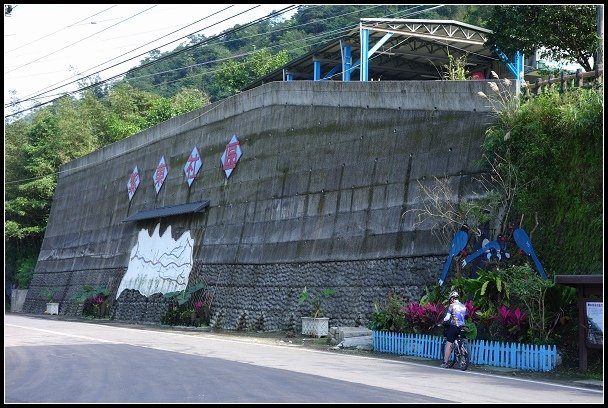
x=315 y=299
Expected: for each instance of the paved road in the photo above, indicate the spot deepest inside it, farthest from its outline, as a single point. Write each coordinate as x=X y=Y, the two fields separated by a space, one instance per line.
x=54 y=361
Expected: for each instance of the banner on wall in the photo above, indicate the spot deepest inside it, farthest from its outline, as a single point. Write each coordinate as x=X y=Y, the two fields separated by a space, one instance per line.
x=231 y=155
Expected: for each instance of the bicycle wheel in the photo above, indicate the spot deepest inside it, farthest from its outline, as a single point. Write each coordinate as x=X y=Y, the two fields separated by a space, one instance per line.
x=452 y=359
x=463 y=355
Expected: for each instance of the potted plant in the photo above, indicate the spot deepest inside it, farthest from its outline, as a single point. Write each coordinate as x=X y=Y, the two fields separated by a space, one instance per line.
x=51 y=306
x=315 y=325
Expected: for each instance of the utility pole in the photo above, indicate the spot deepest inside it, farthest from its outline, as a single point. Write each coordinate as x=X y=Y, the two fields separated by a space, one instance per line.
x=599 y=53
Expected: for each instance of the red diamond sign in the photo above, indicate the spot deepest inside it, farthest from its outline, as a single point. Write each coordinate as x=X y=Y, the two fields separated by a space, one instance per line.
x=193 y=165
x=160 y=174
x=231 y=155
x=133 y=183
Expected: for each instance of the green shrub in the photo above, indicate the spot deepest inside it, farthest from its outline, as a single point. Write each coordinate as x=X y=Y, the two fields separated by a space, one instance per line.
x=24 y=272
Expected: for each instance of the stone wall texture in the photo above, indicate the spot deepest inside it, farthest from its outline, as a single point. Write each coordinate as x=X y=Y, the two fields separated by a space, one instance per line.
x=319 y=198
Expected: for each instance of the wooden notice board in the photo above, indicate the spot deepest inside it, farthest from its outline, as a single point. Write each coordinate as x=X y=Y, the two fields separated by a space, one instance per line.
x=590 y=299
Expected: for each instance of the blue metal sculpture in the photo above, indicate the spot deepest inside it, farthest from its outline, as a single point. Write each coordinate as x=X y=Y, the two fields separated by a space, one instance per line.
x=497 y=250
x=523 y=242
x=459 y=242
x=492 y=249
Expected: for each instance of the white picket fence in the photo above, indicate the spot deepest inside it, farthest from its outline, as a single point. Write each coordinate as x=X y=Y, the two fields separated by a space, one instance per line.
x=482 y=352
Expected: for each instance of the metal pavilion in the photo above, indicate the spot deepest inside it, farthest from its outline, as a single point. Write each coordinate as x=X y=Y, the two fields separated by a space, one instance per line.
x=398 y=50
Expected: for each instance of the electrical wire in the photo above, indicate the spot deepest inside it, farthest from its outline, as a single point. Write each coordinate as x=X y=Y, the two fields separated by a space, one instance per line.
x=82 y=39
x=61 y=29
x=271 y=15
x=46 y=90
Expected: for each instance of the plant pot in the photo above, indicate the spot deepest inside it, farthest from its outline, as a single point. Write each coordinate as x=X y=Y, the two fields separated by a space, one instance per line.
x=52 y=308
x=315 y=326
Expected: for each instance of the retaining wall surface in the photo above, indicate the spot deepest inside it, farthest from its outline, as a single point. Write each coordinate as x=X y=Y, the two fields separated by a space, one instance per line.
x=319 y=198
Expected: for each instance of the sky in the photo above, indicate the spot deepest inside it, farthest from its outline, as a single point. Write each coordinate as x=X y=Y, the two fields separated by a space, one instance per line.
x=47 y=46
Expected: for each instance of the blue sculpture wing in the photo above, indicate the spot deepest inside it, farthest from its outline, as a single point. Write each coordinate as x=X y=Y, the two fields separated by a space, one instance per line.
x=458 y=243
x=486 y=248
x=523 y=242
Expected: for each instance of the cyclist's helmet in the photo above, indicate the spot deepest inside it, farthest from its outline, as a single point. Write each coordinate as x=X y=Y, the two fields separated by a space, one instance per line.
x=453 y=294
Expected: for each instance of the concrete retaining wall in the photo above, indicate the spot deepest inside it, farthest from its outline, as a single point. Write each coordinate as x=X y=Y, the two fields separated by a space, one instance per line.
x=318 y=198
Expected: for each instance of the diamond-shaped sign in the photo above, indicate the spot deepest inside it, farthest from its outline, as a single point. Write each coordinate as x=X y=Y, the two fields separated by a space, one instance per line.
x=160 y=174
x=133 y=182
x=193 y=165
x=231 y=155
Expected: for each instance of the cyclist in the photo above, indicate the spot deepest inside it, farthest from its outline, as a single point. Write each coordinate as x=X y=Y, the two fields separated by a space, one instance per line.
x=454 y=322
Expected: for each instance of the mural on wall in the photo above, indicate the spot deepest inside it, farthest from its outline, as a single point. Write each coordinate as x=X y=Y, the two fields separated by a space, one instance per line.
x=133 y=183
x=158 y=263
x=231 y=155
x=193 y=165
x=160 y=174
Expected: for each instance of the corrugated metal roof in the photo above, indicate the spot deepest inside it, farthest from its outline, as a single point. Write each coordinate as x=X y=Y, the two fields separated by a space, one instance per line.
x=188 y=208
x=416 y=50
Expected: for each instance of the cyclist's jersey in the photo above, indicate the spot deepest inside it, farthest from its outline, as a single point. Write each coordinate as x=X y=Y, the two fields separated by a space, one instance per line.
x=456 y=314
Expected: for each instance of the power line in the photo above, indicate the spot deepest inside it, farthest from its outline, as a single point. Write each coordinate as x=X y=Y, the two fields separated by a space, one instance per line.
x=271 y=15
x=47 y=90
x=67 y=46
x=61 y=29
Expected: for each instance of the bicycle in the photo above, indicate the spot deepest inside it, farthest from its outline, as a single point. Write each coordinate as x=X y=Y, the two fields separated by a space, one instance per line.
x=460 y=352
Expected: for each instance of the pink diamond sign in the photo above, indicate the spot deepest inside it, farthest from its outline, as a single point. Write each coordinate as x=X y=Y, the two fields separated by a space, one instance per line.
x=160 y=174
x=231 y=155
x=193 y=165
x=133 y=182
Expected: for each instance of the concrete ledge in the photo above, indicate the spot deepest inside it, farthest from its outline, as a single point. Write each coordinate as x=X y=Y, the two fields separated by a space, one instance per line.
x=340 y=333
x=351 y=337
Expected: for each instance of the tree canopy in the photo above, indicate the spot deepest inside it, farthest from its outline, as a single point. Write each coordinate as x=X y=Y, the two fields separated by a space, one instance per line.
x=560 y=32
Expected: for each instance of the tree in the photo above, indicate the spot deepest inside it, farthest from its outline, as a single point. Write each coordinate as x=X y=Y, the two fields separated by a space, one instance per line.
x=233 y=75
x=564 y=32
x=188 y=100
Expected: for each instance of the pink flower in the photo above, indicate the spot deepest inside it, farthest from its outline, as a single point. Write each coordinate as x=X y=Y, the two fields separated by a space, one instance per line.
x=97 y=300
x=198 y=305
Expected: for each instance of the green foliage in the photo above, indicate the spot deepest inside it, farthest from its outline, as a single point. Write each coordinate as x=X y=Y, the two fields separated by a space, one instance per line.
x=233 y=75
x=530 y=27
x=554 y=142
x=488 y=290
x=94 y=300
x=436 y=294
x=455 y=69
x=89 y=291
x=48 y=294
x=470 y=329
x=187 y=100
x=315 y=299
x=183 y=296
x=389 y=315
x=25 y=272
x=187 y=307
x=546 y=305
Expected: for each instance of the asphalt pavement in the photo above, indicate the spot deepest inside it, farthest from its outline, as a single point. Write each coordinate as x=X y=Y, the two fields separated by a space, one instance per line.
x=559 y=376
